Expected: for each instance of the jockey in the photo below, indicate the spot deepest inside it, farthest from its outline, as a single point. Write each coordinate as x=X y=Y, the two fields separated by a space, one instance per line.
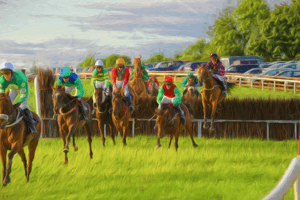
x=145 y=76
x=190 y=77
x=71 y=80
x=153 y=77
x=100 y=78
x=218 y=70
x=17 y=83
x=120 y=76
x=170 y=94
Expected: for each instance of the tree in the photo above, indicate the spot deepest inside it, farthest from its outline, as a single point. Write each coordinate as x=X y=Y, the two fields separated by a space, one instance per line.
x=157 y=57
x=89 y=60
x=194 y=52
x=280 y=34
x=110 y=61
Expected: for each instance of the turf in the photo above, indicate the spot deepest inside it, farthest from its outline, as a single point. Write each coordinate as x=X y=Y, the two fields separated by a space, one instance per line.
x=217 y=169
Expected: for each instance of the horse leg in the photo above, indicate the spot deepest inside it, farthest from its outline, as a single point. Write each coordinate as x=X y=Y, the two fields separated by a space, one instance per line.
x=124 y=135
x=159 y=136
x=101 y=128
x=213 y=112
x=112 y=133
x=32 y=147
x=3 y=159
x=23 y=157
x=171 y=137
x=176 y=139
x=8 y=170
x=189 y=130
x=75 y=147
x=88 y=126
x=71 y=132
x=205 y=107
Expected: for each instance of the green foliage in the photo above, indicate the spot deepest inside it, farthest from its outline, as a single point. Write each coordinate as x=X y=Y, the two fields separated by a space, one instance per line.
x=89 y=60
x=33 y=70
x=110 y=61
x=193 y=52
x=157 y=57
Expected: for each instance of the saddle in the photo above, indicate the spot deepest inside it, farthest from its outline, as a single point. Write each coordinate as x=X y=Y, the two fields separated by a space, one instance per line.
x=219 y=83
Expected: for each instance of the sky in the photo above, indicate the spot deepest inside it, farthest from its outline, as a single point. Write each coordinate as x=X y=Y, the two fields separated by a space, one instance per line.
x=54 y=33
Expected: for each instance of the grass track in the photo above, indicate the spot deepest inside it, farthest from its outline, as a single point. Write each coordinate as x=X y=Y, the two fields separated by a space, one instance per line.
x=217 y=169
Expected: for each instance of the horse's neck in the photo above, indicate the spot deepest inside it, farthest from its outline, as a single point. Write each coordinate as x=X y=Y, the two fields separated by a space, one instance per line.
x=209 y=83
x=69 y=105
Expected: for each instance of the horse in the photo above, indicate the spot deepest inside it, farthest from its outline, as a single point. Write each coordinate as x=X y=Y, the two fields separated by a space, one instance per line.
x=191 y=91
x=137 y=83
x=13 y=131
x=168 y=119
x=103 y=104
x=66 y=108
x=120 y=113
x=153 y=88
x=211 y=94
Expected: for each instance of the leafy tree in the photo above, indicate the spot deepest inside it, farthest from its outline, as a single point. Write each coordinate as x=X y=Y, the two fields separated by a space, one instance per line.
x=110 y=61
x=157 y=57
x=193 y=52
x=89 y=60
x=280 y=36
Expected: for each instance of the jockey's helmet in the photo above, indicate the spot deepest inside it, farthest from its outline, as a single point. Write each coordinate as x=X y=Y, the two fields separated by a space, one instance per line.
x=191 y=74
x=120 y=61
x=169 y=79
x=5 y=66
x=65 y=72
x=213 y=56
x=99 y=63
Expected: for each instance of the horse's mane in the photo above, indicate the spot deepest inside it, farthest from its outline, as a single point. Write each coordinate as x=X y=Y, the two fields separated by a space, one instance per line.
x=61 y=88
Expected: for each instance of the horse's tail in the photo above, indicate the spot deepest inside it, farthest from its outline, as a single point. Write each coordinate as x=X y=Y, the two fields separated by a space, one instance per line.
x=229 y=87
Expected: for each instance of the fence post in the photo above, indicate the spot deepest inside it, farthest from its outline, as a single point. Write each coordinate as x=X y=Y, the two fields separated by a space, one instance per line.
x=295 y=126
x=104 y=130
x=268 y=131
x=175 y=78
x=295 y=87
x=285 y=86
x=262 y=84
x=251 y=81
x=133 y=131
x=199 y=129
x=119 y=134
x=240 y=82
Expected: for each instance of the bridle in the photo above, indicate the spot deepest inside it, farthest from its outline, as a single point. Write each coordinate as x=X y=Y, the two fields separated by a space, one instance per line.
x=8 y=117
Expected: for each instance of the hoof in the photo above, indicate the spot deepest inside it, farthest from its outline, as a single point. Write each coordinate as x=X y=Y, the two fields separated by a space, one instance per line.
x=6 y=181
x=66 y=150
x=75 y=148
x=66 y=162
x=157 y=146
x=195 y=145
x=91 y=156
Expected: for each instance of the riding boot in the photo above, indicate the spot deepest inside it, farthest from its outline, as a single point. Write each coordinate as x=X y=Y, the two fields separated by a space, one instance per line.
x=94 y=108
x=181 y=113
x=31 y=133
x=131 y=107
x=224 y=93
x=147 y=88
x=82 y=113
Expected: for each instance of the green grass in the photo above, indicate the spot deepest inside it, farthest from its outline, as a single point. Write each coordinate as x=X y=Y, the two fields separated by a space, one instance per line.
x=217 y=169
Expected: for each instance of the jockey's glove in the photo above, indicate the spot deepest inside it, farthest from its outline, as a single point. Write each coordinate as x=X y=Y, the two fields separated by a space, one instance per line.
x=15 y=106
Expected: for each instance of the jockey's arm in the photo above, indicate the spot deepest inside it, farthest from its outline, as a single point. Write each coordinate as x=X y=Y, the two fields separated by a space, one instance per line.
x=3 y=85
x=145 y=75
x=177 y=98
x=126 y=76
x=184 y=82
x=114 y=77
x=58 y=82
x=160 y=95
x=106 y=78
x=79 y=87
x=94 y=78
x=23 y=91
x=221 y=70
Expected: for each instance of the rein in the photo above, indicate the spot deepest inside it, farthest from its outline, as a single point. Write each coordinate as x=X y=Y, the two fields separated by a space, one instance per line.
x=209 y=88
x=100 y=111
x=6 y=118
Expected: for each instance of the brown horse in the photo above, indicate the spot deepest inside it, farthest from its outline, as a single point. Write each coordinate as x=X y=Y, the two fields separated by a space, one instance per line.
x=192 y=90
x=153 y=87
x=103 y=104
x=168 y=119
x=66 y=108
x=138 y=82
x=13 y=131
x=120 y=113
x=211 y=94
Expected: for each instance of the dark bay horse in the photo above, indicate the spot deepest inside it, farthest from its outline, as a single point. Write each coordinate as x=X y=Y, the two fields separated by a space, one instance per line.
x=192 y=90
x=120 y=113
x=211 y=94
x=66 y=108
x=13 y=131
x=168 y=120
x=103 y=104
x=153 y=87
x=138 y=82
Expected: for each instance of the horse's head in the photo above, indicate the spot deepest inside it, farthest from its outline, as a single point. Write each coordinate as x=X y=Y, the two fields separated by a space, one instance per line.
x=165 y=115
x=203 y=73
x=117 y=101
x=100 y=97
x=6 y=109
x=137 y=64
x=59 y=98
